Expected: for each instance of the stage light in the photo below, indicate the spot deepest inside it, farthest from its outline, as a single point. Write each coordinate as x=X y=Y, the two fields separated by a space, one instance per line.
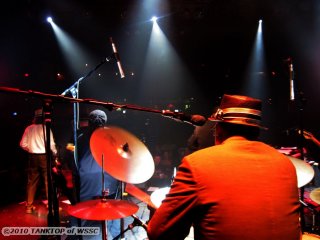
x=154 y=19
x=49 y=19
x=260 y=27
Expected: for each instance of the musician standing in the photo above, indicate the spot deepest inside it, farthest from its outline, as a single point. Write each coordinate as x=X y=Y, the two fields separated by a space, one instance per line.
x=90 y=176
x=34 y=141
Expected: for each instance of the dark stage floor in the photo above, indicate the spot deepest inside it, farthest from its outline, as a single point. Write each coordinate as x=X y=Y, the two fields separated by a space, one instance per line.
x=13 y=215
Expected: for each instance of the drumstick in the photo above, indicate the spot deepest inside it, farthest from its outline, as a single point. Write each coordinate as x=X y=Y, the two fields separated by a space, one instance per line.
x=139 y=194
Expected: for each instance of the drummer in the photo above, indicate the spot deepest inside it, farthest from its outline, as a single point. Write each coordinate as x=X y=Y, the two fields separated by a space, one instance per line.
x=240 y=188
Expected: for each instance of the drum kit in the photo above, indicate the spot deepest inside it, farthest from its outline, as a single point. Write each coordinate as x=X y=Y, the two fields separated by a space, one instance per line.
x=305 y=174
x=128 y=160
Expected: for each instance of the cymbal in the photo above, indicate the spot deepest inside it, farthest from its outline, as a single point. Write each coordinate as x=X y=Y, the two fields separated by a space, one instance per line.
x=315 y=195
x=305 y=172
x=102 y=209
x=121 y=154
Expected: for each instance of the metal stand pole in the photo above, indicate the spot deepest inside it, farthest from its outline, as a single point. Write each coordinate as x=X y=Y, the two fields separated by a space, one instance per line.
x=53 y=204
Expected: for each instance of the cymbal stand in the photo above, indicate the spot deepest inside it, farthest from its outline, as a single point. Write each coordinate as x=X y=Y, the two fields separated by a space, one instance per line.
x=314 y=227
x=136 y=222
x=122 y=220
x=105 y=193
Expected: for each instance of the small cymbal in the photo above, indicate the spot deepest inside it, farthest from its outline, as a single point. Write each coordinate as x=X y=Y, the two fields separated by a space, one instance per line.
x=305 y=172
x=315 y=195
x=124 y=156
x=103 y=209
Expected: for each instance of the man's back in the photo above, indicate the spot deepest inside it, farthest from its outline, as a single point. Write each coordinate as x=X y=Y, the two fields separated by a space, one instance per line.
x=237 y=190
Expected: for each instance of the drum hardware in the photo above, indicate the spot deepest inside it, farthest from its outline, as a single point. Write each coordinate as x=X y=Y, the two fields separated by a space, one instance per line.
x=128 y=159
x=103 y=209
x=136 y=222
x=139 y=194
x=314 y=212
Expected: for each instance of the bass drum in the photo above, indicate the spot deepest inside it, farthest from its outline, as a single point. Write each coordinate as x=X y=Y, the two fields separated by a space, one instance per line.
x=310 y=236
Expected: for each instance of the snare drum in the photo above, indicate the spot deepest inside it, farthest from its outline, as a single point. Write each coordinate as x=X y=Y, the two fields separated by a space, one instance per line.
x=310 y=236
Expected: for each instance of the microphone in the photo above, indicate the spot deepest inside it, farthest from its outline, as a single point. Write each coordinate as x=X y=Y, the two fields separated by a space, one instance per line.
x=291 y=79
x=116 y=55
x=138 y=222
x=196 y=120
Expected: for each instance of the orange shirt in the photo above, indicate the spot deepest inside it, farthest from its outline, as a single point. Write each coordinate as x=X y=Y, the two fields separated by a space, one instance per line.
x=237 y=190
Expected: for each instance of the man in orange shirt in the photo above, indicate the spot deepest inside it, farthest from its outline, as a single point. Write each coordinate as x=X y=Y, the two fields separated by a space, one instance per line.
x=240 y=188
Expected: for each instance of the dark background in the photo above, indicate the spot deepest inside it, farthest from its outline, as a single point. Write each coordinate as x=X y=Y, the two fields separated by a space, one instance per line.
x=213 y=39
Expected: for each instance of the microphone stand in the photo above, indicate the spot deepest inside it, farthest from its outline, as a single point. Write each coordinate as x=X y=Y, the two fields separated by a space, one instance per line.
x=300 y=105
x=53 y=204
x=74 y=91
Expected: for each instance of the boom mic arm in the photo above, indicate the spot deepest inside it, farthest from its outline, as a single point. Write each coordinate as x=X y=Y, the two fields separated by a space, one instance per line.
x=196 y=120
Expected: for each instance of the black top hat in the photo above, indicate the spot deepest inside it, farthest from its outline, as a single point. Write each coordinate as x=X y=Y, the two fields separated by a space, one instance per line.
x=239 y=110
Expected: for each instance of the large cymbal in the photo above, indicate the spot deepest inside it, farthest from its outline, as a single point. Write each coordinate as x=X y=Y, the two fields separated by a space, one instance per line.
x=126 y=158
x=305 y=172
x=315 y=195
x=100 y=209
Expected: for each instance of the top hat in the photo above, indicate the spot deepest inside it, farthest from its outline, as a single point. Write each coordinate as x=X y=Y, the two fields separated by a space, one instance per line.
x=238 y=109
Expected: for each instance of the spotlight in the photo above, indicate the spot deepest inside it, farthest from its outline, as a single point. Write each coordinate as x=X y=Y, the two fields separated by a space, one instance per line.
x=49 y=19
x=154 y=19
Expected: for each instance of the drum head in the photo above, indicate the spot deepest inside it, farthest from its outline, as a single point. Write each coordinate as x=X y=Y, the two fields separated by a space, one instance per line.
x=158 y=195
x=310 y=236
